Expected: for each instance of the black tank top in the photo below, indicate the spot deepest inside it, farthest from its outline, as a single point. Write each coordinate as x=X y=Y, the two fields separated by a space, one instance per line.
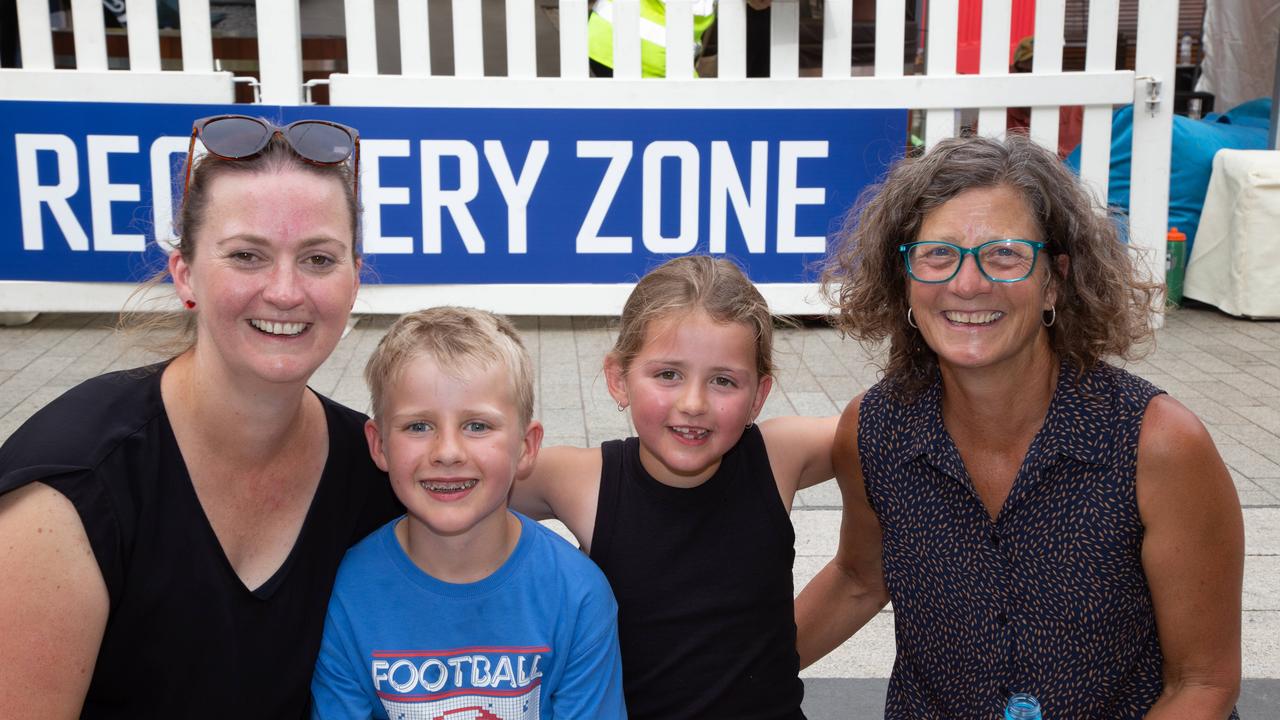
x=185 y=638
x=706 y=616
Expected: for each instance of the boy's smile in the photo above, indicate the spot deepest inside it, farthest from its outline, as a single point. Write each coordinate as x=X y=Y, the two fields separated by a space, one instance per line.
x=451 y=440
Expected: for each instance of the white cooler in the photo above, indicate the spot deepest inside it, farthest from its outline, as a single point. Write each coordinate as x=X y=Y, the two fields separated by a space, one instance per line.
x=1235 y=259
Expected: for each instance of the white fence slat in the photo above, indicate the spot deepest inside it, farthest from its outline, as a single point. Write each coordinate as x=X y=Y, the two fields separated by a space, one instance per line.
x=468 y=39
x=362 y=38
x=1050 y=29
x=115 y=86
x=626 y=39
x=784 y=39
x=1095 y=149
x=415 y=38
x=280 y=52
x=731 y=40
x=90 y=34
x=573 y=39
x=891 y=37
x=1152 y=134
x=35 y=34
x=144 y=35
x=917 y=91
x=1095 y=133
x=197 y=35
x=994 y=59
x=837 y=38
x=522 y=49
x=944 y=25
x=679 y=17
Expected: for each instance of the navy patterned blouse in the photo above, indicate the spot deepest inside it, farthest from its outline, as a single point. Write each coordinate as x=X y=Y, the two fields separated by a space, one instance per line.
x=1050 y=598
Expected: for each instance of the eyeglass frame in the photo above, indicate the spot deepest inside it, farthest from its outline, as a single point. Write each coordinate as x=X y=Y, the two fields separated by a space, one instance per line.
x=1035 y=245
x=198 y=126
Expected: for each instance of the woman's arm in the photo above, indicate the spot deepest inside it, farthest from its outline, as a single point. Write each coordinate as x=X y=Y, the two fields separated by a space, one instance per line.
x=53 y=605
x=1193 y=555
x=850 y=590
x=799 y=452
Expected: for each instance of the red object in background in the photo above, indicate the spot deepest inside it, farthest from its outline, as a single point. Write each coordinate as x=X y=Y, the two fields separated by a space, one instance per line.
x=969 y=42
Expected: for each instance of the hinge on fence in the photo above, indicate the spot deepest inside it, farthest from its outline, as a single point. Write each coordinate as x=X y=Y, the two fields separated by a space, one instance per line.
x=307 y=87
x=1154 y=89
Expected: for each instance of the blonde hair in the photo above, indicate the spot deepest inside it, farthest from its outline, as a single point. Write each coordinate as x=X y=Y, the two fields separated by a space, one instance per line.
x=1103 y=307
x=715 y=286
x=455 y=337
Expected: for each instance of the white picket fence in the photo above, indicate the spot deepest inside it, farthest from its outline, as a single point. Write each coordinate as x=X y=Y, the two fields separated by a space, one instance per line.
x=939 y=92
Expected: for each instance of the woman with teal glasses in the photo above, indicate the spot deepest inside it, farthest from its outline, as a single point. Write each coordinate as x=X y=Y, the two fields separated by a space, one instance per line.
x=169 y=534
x=1044 y=522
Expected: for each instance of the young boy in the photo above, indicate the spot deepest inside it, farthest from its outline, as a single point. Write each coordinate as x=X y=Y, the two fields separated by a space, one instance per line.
x=463 y=609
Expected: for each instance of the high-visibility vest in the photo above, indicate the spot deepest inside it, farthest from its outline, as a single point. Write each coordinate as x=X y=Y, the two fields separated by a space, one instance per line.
x=653 y=33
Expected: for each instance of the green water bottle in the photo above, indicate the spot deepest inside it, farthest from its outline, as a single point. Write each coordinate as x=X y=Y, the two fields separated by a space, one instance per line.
x=1022 y=707
x=1175 y=265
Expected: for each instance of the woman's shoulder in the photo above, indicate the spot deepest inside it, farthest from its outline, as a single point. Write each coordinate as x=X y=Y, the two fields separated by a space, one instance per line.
x=1116 y=386
x=87 y=423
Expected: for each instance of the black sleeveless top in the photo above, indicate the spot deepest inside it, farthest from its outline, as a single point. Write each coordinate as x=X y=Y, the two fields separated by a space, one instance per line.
x=185 y=637
x=706 y=616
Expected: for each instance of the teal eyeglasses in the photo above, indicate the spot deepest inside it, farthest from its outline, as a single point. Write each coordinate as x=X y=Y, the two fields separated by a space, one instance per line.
x=1006 y=260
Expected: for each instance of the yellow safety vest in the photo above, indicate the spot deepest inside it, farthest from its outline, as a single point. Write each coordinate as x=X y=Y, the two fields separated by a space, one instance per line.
x=653 y=33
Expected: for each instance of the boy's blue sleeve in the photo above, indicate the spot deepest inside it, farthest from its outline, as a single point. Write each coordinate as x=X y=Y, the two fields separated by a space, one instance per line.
x=340 y=686
x=592 y=684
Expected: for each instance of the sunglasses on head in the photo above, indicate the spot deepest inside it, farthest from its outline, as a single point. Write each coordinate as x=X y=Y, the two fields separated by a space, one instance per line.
x=240 y=137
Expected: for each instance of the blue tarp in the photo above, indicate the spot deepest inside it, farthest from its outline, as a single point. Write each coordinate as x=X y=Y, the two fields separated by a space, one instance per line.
x=1195 y=142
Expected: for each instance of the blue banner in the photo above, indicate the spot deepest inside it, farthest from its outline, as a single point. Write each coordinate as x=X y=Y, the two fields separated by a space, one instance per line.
x=465 y=195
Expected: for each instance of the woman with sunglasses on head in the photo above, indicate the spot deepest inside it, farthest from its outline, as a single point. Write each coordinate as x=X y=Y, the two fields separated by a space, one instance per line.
x=169 y=534
x=1043 y=522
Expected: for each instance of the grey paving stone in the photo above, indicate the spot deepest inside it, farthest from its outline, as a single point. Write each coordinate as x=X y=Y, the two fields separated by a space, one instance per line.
x=1261 y=583
x=1260 y=644
x=1269 y=374
x=1262 y=532
x=559 y=394
x=1226 y=394
x=817 y=532
x=17 y=358
x=1266 y=417
x=571 y=440
x=1249 y=385
x=824 y=495
x=776 y=405
x=1212 y=411
x=1248 y=462
x=562 y=421
x=1256 y=499
x=1270 y=485
x=815 y=404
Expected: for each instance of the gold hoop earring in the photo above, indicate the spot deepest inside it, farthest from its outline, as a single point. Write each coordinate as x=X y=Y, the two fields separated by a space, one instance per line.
x=911 y=321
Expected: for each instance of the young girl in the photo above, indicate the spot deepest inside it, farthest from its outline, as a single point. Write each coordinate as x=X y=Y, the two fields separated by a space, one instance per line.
x=689 y=520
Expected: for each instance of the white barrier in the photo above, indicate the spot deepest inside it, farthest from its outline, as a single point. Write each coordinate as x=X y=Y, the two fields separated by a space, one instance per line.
x=939 y=93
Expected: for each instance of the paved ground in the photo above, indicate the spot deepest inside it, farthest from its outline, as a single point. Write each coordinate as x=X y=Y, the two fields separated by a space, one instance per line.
x=1226 y=370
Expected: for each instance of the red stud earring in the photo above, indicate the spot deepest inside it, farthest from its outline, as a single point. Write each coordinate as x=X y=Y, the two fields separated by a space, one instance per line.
x=190 y=304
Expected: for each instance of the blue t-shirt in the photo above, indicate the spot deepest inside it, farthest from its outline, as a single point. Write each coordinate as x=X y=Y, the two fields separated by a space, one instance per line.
x=538 y=638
